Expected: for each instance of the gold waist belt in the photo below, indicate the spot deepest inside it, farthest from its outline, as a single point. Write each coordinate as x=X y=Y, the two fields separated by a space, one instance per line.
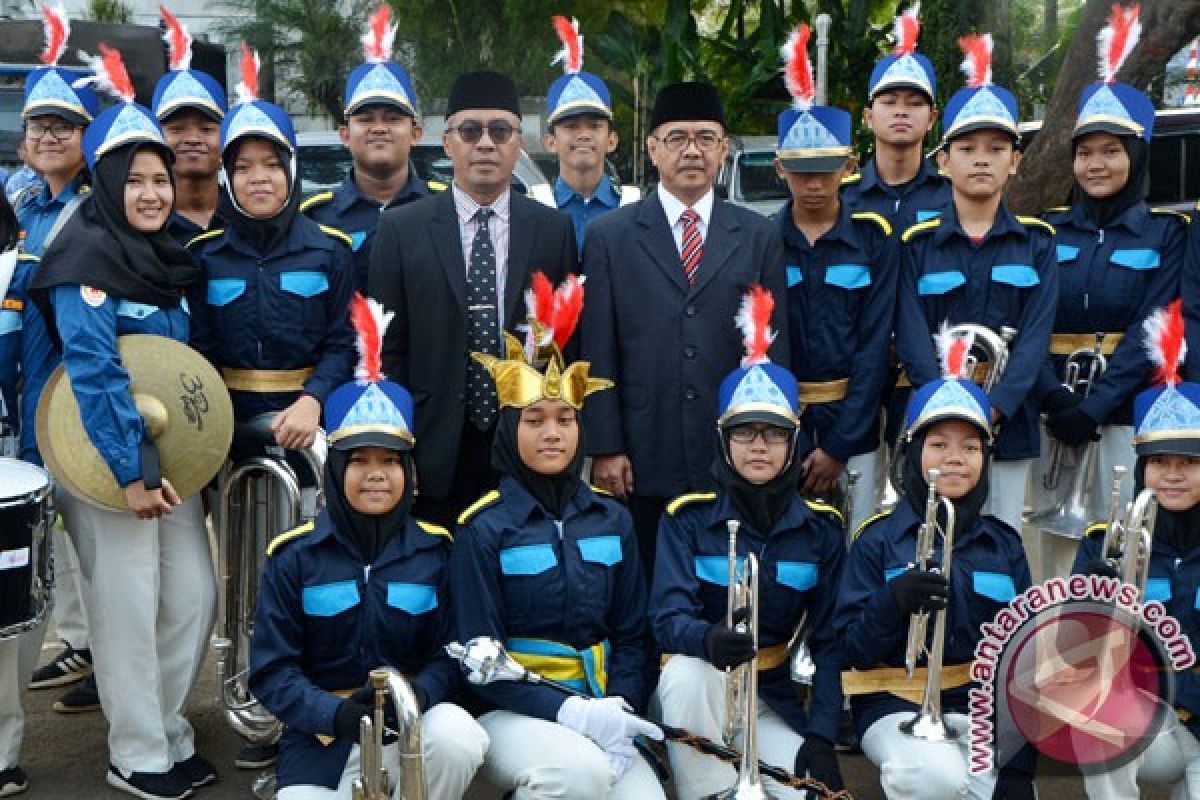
x=769 y=658
x=1063 y=344
x=266 y=380
x=823 y=391
x=893 y=680
x=981 y=370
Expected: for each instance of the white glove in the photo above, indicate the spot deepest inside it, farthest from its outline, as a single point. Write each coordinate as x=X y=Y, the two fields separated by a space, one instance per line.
x=607 y=722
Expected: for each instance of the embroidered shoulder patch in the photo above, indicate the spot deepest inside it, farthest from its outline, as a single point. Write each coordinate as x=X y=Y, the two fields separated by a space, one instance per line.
x=92 y=296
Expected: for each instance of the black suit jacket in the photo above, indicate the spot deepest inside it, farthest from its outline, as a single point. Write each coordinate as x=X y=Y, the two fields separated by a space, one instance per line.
x=418 y=271
x=668 y=345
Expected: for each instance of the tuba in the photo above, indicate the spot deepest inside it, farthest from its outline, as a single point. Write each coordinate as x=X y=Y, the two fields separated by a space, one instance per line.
x=259 y=497
x=928 y=723
x=1128 y=540
x=373 y=783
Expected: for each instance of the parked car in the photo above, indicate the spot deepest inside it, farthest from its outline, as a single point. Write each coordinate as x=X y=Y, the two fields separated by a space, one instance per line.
x=748 y=177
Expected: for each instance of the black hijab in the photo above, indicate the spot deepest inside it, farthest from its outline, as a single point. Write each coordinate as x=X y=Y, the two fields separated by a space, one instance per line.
x=916 y=489
x=552 y=492
x=760 y=504
x=10 y=229
x=1102 y=211
x=99 y=248
x=1179 y=529
x=261 y=234
x=369 y=532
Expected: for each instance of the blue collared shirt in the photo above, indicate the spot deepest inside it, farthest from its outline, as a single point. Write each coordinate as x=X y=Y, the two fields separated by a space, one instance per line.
x=39 y=212
x=921 y=199
x=583 y=210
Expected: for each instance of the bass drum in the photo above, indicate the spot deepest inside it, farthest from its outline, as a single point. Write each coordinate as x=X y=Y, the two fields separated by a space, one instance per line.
x=26 y=566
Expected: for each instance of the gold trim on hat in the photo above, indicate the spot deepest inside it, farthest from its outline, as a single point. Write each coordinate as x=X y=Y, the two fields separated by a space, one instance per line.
x=749 y=408
x=1003 y=123
x=1158 y=436
x=167 y=109
x=358 y=102
x=904 y=82
x=353 y=430
x=942 y=414
x=34 y=109
x=815 y=152
x=1120 y=122
x=578 y=105
x=108 y=145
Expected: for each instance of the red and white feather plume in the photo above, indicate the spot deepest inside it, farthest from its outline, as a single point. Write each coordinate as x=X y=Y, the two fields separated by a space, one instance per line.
x=247 y=88
x=58 y=30
x=370 y=321
x=1165 y=342
x=906 y=31
x=571 y=54
x=557 y=311
x=179 y=41
x=1117 y=39
x=977 y=66
x=108 y=73
x=953 y=351
x=754 y=321
x=797 y=68
x=380 y=36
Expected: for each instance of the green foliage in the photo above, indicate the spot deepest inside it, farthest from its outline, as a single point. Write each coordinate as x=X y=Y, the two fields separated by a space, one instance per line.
x=113 y=11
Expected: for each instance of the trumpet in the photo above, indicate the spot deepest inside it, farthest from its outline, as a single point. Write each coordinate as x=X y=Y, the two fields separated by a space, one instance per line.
x=928 y=723
x=1082 y=371
x=737 y=597
x=987 y=347
x=1128 y=540
x=373 y=783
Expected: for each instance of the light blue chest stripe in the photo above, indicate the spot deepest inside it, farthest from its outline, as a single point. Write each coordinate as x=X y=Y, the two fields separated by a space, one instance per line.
x=798 y=575
x=305 y=284
x=924 y=214
x=996 y=585
x=1142 y=258
x=1021 y=276
x=10 y=322
x=892 y=572
x=795 y=275
x=529 y=559
x=415 y=598
x=1065 y=252
x=604 y=550
x=715 y=569
x=329 y=599
x=356 y=240
x=848 y=276
x=940 y=282
x=223 y=291
x=132 y=310
x=1158 y=589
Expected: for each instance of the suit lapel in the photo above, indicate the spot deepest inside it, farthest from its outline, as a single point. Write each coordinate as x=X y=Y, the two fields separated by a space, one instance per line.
x=719 y=245
x=520 y=242
x=657 y=240
x=447 y=243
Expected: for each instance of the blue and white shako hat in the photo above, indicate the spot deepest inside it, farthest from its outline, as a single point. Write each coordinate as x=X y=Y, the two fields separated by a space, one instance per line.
x=812 y=138
x=369 y=411
x=183 y=87
x=954 y=395
x=575 y=91
x=380 y=81
x=980 y=105
x=253 y=117
x=1107 y=105
x=122 y=123
x=758 y=390
x=51 y=89
x=1166 y=417
x=904 y=67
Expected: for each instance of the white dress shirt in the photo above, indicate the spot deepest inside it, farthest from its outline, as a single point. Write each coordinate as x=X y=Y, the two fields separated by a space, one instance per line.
x=674 y=209
x=468 y=226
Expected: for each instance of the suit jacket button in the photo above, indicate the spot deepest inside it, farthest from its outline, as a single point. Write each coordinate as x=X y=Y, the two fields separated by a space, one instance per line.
x=690 y=394
x=690 y=310
x=689 y=352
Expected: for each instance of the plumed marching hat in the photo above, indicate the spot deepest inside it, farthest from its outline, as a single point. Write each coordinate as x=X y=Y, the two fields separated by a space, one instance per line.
x=484 y=89
x=1166 y=417
x=758 y=390
x=253 y=117
x=52 y=89
x=379 y=80
x=904 y=67
x=120 y=124
x=812 y=138
x=980 y=105
x=954 y=395
x=1108 y=105
x=688 y=101
x=575 y=91
x=369 y=410
x=183 y=87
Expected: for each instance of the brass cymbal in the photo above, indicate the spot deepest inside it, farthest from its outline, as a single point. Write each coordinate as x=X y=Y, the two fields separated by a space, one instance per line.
x=186 y=409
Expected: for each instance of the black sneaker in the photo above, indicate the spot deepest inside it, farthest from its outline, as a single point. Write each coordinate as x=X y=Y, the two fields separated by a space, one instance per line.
x=79 y=699
x=198 y=770
x=256 y=756
x=67 y=667
x=12 y=781
x=150 y=785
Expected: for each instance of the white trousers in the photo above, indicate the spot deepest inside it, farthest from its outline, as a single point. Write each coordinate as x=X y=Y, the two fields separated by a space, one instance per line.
x=691 y=695
x=1006 y=491
x=150 y=594
x=18 y=658
x=912 y=769
x=452 y=743
x=537 y=760
x=867 y=495
x=1173 y=759
x=70 y=618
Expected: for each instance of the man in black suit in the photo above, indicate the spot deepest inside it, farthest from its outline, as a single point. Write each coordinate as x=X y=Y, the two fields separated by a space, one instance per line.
x=454 y=268
x=665 y=278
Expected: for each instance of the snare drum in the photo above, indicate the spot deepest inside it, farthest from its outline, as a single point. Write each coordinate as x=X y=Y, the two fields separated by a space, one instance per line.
x=26 y=566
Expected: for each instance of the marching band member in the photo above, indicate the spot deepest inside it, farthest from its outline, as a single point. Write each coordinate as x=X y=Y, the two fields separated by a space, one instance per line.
x=550 y=567
x=979 y=264
x=363 y=586
x=1118 y=260
x=1167 y=443
x=272 y=313
x=380 y=125
x=579 y=120
x=149 y=585
x=800 y=546
x=948 y=427
x=841 y=294
x=190 y=105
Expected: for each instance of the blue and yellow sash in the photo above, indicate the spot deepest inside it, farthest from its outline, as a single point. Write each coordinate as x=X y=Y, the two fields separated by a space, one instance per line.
x=583 y=670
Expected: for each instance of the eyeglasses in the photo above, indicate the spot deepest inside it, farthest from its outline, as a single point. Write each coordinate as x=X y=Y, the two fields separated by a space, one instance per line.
x=58 y=130
x=744 y=434
x=471 y=131
x=677 y=141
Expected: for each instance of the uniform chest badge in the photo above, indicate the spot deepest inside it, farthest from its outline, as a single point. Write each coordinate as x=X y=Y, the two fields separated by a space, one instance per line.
x=92 y=296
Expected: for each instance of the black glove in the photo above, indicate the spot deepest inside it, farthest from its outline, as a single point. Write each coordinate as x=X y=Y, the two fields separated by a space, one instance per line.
x=1100 y=567
x=1060 y=400
x=817 y=758
x=726 y=648
x=347 y=716
x=920 y=591
x=1072 y=427
x=1013 y=785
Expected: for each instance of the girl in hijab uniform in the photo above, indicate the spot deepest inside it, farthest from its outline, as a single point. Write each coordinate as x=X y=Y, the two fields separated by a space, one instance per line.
x=1167 y=443
x=947 y=428
x=321 y=626
x=150 y=590
x=272 y=312
x=800 y=547
x=1118 y=261
x=549 y=566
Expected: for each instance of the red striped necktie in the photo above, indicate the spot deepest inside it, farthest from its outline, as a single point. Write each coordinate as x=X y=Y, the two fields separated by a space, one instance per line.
x=693 y=244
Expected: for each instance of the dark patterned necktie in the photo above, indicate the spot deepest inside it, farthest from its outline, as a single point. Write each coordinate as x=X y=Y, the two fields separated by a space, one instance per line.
x=693 y=244
x=483 y=327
